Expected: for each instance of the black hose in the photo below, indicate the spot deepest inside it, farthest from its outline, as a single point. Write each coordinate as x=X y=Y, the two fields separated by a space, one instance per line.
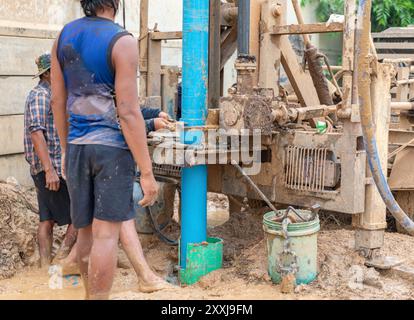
x=159 y=233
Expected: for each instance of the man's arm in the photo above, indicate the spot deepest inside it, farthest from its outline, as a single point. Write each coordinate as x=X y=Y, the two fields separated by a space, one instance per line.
x=40 y=146
x=59 y=99
x=125 y=61
x=150 y=113
x=38 y=110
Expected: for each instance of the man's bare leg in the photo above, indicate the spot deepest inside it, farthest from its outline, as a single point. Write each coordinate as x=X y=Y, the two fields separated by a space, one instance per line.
x=70 y=265
x=67 y=244
x=45 y=238
x=103 y=258
x=84 y=245
x=149 y=281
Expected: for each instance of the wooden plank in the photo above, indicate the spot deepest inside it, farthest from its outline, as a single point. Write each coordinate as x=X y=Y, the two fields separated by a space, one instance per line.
x=143 y=47
x=169 y=89
x=12 y=133
x=172 y=35
x=270 y=53
x=16 y=90
x=395 y=56
x=255 y=12
x=404 y=82
x=18 y=55
x=384 y=35
x=403 y=60
x=298 y=78
x=403 y=91
x=228 y=46
x=308 y=28
x=17 y=167
x=394 y=45
x=154 y=68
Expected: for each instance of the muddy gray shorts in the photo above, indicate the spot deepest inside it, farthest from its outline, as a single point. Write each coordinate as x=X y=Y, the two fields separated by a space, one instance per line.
x=100 y=181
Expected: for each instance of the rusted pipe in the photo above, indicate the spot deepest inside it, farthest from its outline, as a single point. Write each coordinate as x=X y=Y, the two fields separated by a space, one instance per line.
x=306 y=113
x=333 y=68
x=301 y=21
x=313 y=57
x=402 y=106
x=368 y=128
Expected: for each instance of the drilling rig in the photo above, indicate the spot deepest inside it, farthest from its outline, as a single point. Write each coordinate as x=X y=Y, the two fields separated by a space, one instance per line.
x=322 y=139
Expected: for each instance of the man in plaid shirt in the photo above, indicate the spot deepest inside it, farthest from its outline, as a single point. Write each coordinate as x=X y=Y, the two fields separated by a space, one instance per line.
x=43 y=153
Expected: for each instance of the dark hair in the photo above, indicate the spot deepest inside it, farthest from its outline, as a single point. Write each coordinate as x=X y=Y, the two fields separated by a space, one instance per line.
x=90 y=7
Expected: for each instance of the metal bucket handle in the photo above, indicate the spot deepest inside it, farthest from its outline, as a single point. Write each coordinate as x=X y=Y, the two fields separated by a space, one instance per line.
x=292 y=268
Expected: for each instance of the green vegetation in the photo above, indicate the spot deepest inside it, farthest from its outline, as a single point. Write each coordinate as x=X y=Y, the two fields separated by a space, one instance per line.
x=385 y=13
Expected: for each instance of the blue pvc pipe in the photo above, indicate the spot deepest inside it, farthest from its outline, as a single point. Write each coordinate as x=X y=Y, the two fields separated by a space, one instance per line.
x=194 y=113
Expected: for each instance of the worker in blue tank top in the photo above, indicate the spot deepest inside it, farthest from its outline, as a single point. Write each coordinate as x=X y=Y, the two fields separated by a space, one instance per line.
x=102 y=133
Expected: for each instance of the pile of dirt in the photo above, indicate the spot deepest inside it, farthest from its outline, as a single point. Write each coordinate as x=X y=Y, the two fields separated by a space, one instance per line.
x=341 y=275
x=341 y=270
x=18 y=224
x=242 y=231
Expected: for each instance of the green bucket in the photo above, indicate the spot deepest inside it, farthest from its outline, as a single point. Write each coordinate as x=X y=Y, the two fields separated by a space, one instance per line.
x=202 y=258
x=303 y=243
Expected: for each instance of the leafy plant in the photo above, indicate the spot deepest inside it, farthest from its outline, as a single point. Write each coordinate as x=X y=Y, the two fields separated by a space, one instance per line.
x=385 y=13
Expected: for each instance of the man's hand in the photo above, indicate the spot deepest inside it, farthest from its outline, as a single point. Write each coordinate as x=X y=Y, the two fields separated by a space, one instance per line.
x=150 y=189
x=161 y=123
x=52 y=180
x=164 y=115
x=40 y=146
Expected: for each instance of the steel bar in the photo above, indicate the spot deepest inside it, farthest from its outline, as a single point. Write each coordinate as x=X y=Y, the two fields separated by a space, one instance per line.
x=255 y=187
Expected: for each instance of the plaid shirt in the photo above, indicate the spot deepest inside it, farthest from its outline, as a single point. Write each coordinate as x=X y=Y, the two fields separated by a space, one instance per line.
x=38 y=116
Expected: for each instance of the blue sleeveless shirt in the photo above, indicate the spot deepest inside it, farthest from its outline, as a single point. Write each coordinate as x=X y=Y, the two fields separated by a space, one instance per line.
x=85 y=55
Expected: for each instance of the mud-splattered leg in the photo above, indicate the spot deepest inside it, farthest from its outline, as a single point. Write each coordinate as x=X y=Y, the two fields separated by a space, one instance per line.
x=103 y=258
x=45 y=237
x=67 y=244
x=149 y=281
x=84 y=245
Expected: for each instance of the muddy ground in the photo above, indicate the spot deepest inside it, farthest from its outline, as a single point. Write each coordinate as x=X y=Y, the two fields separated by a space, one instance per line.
x=342 y=274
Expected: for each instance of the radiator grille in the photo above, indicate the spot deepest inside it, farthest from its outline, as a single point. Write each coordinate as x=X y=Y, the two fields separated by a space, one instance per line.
x=167 y=170
x=305 y=168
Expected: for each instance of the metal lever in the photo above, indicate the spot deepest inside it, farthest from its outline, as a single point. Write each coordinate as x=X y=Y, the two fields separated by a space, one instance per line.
x=255 y=187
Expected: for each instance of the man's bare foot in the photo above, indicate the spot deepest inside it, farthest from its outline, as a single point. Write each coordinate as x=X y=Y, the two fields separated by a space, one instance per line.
x=44 y=268
x=156 y=284
x=44 y=263
x=70 y=268
x=61 y=254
